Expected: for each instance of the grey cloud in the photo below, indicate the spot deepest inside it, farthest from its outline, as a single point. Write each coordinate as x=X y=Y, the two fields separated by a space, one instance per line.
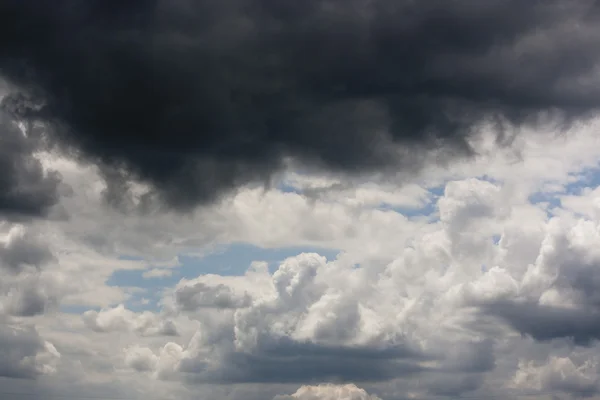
x=200 y=295
x=300 y=368
x=140 y=360
x=22 y=250
x=285 y=360
x=199 y=97
x=578 y=378
x=547 y=322
x=28 y=304
x=26 y=190
x=18 y=349
x=454 y=385
x=577 y=278
x=167 y=328
x=470 y=357
x=29 y=296
x=573 y=386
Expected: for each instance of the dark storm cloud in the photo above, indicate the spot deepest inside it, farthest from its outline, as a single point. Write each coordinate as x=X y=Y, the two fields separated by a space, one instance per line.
x=197 y=97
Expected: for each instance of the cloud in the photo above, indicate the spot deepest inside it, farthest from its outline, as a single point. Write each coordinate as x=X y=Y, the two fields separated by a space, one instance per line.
x=559 y=374
x=557 y=296
x=26 y=188
x=294 y=325
x=29 y=284
x=491 y=295
x=157 y=273
x=140 y=359
x=28 y=296
x=199 y=295
x=30 y=293
x=24 y=354
x=22 y=249
x=197 y=98
x=329 y=392
x=121 y=319
x=332 y=320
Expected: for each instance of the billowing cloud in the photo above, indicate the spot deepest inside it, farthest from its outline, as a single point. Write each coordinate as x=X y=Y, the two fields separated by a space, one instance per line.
x=329 y=392
x=195 y=98
x=140 y=359
x=476 y=281
x=200 y=295
x=557 y=296
x=559 y=374
x=121 y=319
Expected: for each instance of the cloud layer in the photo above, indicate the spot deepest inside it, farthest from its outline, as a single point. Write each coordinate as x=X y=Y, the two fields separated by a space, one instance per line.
x=195 y=98
x=472 y=281
x=431 y=277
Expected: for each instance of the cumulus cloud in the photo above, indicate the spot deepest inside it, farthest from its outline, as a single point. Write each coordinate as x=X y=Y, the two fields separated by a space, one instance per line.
x=195 y=98
x=329 y=392
x=302 y=329
x=556 y=297
x=331 y=320
x=559 y=374
x=121 y=319
x=199 y=295
x=140 y=359
x=490 y=293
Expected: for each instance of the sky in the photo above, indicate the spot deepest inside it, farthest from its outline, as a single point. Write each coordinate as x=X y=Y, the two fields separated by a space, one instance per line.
x=326 y=200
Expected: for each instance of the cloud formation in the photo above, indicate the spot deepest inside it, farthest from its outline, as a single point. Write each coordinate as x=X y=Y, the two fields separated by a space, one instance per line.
x=22 y=249
x=475 y=288
x=476 y=280
x=196 y=97
x=24 y=354
x=121 y=319
x=329 y=392
x=26 y=188
x=559 y=374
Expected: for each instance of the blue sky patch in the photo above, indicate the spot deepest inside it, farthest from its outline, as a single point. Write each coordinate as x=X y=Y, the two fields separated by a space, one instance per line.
x=588 y=178
x=429 y=209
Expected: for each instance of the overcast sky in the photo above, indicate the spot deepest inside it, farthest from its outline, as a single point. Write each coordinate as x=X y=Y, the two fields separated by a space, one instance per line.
x=284 y=200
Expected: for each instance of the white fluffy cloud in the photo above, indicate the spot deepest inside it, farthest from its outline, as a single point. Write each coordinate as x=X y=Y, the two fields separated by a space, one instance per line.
x=329 y=392
x=121 y=319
